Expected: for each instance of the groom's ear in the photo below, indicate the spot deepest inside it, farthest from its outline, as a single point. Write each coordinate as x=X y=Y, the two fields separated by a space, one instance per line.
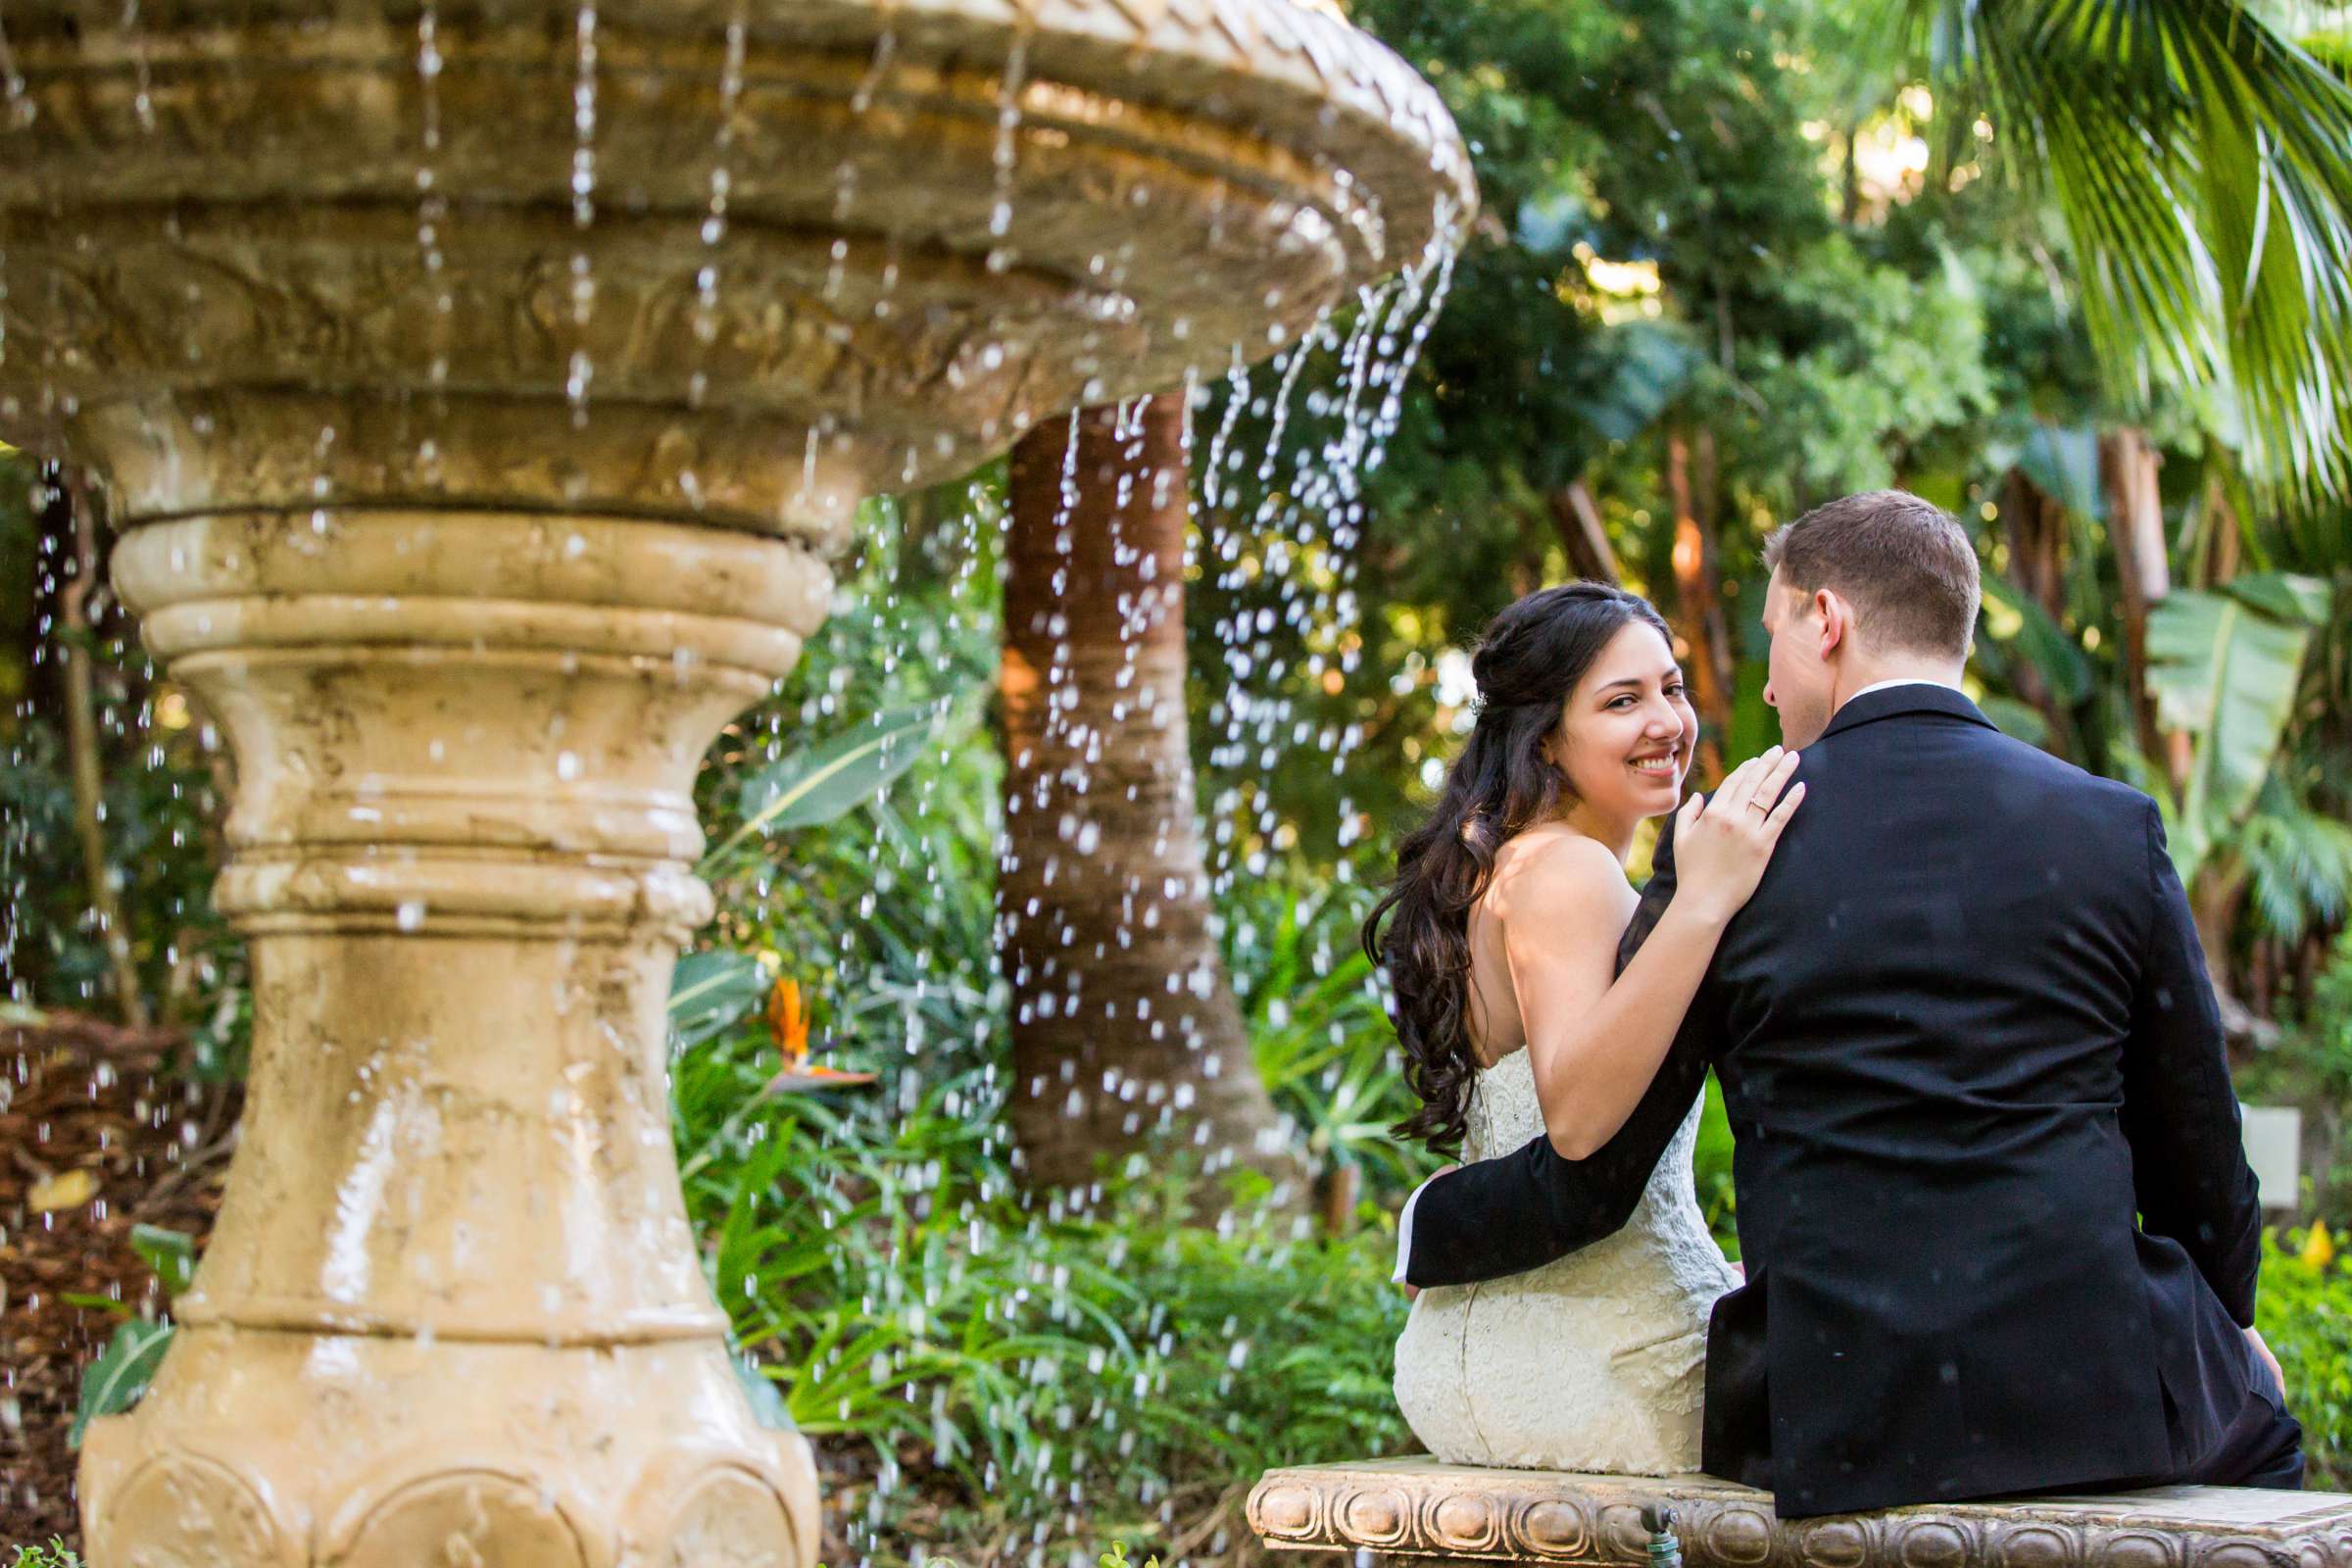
x=1837 y=619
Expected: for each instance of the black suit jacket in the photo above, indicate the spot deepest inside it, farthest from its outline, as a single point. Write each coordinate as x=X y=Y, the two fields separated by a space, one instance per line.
x=1965 y=1035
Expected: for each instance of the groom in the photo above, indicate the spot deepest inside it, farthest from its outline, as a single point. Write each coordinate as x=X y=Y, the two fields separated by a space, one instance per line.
x=1965 y=1036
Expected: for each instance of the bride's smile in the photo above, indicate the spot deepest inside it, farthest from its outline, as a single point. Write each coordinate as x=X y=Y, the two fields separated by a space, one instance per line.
x=1625 y=736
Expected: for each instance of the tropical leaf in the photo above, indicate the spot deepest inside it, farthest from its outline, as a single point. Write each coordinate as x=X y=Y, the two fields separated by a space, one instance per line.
x=2225 y=672
x=2197 y=156
x=2018 y=623
x=768 y=1405
x=709 y=991
x=1649 y=366
x=116 y=1380
x=825 y=781
x=829 y=779
x=2298 y=864
x=2018 y=721
x=171 y=1253
x=2287 y=597
x=2063 y=462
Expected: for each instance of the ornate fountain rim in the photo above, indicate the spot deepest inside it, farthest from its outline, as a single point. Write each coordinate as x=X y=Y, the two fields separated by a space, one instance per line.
x=1250 y=39
x=220 y=254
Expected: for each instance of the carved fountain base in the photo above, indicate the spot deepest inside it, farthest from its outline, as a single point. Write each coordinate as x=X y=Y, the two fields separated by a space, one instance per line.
x=452 y=1311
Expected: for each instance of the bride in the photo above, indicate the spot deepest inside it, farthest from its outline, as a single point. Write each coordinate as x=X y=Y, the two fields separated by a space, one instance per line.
x=1501 y=948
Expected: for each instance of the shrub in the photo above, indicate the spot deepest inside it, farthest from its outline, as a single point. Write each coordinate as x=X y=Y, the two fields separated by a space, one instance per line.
x=57 y=1554
x=2311 y=1066
x=1016 y=1367
x=1319 y=1032
x=2304 y=1310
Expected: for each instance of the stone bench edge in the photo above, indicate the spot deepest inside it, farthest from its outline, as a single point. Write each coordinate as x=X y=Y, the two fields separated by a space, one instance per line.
x=1418 y=1507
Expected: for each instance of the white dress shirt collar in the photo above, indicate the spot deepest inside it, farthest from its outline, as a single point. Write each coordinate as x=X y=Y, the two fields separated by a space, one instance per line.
x=1903 y=680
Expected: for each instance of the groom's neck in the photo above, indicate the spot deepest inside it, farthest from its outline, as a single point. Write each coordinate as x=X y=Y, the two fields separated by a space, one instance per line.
x=1860 y=674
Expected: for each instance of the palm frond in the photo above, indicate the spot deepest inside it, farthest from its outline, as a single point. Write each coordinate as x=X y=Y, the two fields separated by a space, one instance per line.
x=2298 y=864
x=2202 y=163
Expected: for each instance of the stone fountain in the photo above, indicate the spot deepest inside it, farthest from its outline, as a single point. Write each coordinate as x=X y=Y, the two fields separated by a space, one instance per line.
x=480 y=387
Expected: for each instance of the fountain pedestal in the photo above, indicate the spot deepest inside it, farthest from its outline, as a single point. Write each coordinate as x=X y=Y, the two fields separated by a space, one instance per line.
x=452 y=1309
x=1418 y=1511
x=479 y=384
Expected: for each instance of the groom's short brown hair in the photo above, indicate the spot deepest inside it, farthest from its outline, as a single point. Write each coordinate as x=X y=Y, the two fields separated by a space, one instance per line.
x=1905 y=565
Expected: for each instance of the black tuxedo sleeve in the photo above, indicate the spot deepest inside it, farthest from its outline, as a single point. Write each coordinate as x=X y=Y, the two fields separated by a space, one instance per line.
x=2179 y=1115
x=1528 y=1208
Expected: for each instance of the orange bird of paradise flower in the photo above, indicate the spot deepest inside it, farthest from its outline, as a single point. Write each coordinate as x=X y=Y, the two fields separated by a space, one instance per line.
x=788 y=1026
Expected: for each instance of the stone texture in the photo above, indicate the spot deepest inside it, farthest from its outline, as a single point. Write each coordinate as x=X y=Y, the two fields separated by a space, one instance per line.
x=451 y=1311
x=1423 y=1509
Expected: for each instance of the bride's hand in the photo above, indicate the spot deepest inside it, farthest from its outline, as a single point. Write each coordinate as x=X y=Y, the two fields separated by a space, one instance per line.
x=1722 y=841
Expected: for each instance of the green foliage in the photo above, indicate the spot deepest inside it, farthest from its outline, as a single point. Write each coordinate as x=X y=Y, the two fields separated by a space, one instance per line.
x=1006 y=1363
x=711 y=991
x=1319 y=1029
x=57 y=1554
x=159 y=805
x=886 y=1283
x=2298 y=863
x=884 y=913
x=819 y=784
x=2311 y=1066
x=171 y=1253
x=2225 y=668
x=880 y=1268
x=1883 y=360
x=2304 y=1310
x=114 y=1381
x=1072 y=1372
x=1711 y=1172
x=2197 y=156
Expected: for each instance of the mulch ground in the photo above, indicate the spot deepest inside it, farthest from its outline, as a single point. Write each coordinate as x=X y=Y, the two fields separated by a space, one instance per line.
x=78 y=1095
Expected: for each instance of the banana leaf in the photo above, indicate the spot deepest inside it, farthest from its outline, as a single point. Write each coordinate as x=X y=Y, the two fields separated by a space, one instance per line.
x=825 y=781
x=2224 y=666
x=709 y=991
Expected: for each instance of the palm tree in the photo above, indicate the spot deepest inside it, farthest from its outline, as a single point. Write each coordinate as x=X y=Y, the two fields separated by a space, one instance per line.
x=1124 y=1028
x=2202 y=163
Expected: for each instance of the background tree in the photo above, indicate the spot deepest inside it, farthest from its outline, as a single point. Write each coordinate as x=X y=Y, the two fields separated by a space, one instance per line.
x=1124 y=1029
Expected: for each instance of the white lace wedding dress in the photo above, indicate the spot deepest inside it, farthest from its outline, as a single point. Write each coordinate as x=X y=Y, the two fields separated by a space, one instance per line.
x=1592 y=1363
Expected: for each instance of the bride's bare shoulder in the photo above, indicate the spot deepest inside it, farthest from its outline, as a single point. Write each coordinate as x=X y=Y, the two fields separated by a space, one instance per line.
x=1555 y=871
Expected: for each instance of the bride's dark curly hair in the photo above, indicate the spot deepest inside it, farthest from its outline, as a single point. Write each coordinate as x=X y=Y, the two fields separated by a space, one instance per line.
x=1526 y=665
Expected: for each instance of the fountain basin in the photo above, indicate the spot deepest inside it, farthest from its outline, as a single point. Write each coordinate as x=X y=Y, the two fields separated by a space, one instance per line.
x=741 y=263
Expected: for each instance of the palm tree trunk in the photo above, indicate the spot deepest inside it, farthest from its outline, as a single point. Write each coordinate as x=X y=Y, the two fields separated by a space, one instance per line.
x=1577 y=518
x=2135 y=527
x=1698 y=608
x=2034 y=529
x=1124 y=1028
